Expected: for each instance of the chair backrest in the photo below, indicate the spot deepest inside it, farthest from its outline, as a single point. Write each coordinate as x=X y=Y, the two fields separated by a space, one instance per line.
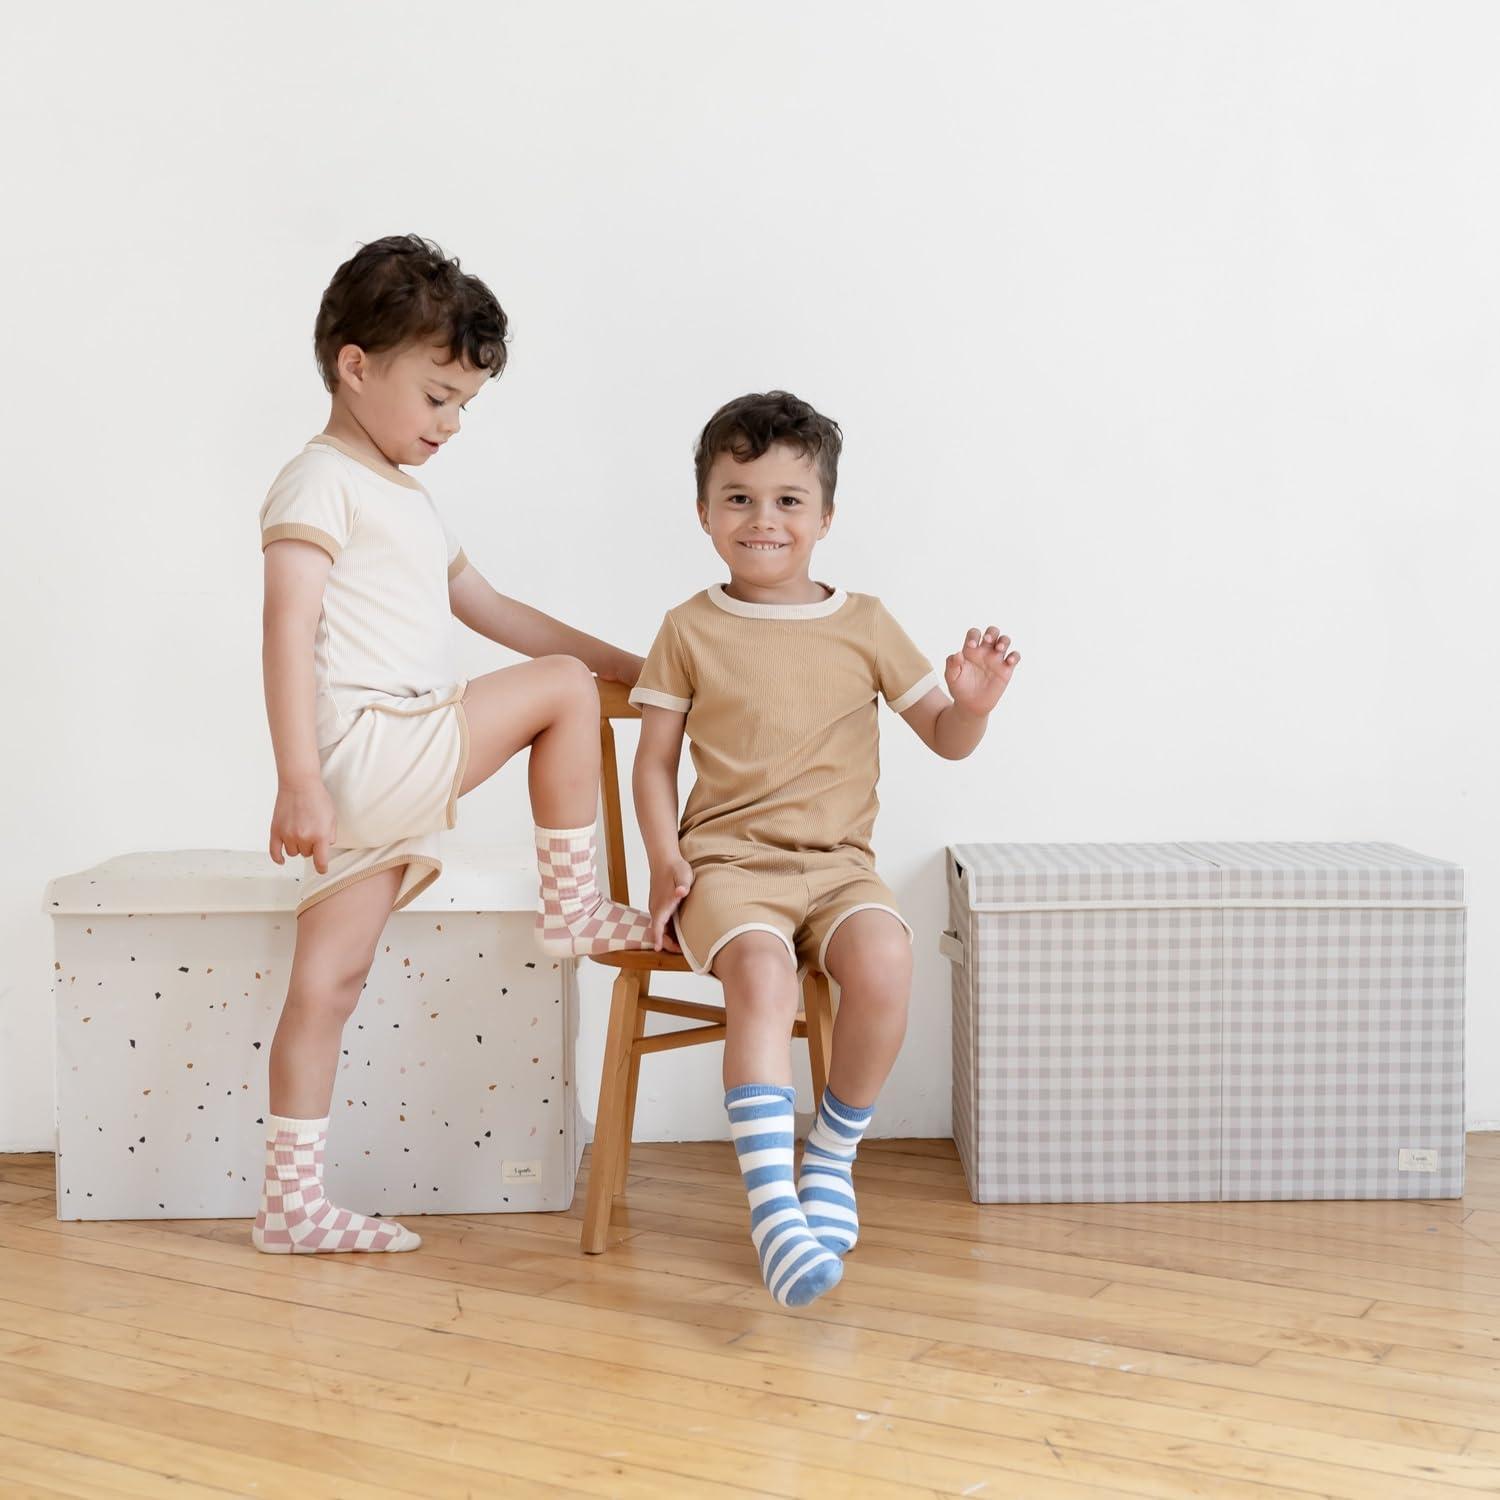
x=614 y=703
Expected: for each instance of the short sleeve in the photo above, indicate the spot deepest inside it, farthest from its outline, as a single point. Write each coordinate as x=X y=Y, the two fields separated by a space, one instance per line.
x=457 y=561
x=308 y=503
x=903 y=674
x=666 y=679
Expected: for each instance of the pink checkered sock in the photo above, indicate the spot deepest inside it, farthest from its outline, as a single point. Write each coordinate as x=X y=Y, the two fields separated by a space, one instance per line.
x=572 y=916
x=295 y=1216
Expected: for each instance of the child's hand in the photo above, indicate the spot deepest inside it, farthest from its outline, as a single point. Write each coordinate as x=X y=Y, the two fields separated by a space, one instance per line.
x=669 y=885
x=303 y=822
x=980 y=672
x=623 y=667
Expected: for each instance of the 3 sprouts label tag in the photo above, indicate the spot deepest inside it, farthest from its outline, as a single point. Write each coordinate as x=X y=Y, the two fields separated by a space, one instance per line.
x=521 y=1171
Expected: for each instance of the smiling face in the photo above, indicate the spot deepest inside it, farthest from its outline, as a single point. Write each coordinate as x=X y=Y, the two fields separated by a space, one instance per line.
x=764 y=518
x=407 y=402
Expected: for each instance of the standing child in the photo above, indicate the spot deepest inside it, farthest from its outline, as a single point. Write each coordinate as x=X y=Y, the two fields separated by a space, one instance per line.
x=774 y=679
x=375 y=737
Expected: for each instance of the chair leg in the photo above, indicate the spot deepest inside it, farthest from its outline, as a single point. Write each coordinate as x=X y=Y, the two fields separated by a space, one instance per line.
x=627 y=1133
x=817 y=1007
x=613 y=1083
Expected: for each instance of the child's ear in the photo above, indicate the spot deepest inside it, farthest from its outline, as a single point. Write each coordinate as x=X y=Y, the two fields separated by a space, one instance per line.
x=352 y=366
x=826 y=523
x=703 y=515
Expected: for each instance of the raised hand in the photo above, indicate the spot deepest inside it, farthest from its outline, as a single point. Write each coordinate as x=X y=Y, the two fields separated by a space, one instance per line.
x=978 y=674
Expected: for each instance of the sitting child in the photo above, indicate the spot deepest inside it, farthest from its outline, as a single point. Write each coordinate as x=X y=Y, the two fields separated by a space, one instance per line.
x=774 y=678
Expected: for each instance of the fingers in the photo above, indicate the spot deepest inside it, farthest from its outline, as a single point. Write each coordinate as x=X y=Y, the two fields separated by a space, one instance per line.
x=985 y=647
x=306 y=845
x=669 y=939
x=658 y=926
x=659 y=933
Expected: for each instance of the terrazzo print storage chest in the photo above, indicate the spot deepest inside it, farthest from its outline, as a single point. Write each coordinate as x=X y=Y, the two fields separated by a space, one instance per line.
x=454 y=1093
x=1157 y=1022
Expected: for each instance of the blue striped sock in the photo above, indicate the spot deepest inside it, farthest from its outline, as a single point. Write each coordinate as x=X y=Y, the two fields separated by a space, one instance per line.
x=825 y=1185
x=794 y=1267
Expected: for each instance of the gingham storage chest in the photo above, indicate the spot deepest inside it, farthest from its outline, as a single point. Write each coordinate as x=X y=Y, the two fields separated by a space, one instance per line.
x=1156 y=1022
x=454 y=1091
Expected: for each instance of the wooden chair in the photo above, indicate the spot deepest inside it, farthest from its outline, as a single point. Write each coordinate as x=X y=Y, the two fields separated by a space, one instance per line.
x=632 y=1002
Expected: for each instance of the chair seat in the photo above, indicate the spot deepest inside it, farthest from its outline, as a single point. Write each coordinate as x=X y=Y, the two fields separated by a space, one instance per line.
x=645 y=958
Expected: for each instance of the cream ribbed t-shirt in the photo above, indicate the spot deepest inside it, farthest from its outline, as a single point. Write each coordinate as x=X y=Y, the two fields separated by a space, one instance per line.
x=781 y=715
x=386 y=628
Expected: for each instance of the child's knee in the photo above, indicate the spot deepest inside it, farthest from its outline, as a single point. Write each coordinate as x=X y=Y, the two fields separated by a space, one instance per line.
x=329 y=977
x=330 y=994
x=572 y=681
x=875 y=955
x=758 y=975
x=891 y=954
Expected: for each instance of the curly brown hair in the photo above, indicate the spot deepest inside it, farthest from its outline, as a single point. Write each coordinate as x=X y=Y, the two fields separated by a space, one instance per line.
x=400 y=289
x=749 y=425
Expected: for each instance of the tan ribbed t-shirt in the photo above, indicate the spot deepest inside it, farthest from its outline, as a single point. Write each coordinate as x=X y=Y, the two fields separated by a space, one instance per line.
x=386 y=628
x=781 y=715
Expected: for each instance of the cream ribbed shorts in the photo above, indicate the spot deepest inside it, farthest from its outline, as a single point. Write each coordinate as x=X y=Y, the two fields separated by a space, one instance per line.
x=394 y=779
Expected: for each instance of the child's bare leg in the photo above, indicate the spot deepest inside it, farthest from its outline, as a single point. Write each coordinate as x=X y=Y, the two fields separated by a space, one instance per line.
x=336 y=942
x=760 y=1003
x=552 y=705
x=869 y=955
x=760 y=999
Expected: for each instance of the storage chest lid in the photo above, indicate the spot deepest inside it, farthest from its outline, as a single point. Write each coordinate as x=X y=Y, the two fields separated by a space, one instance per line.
x=1176 y=873
x=1331 y=872
x=241 y=880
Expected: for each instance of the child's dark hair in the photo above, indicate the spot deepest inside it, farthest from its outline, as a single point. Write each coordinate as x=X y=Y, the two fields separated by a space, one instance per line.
x=747 y=426
x=401 y=289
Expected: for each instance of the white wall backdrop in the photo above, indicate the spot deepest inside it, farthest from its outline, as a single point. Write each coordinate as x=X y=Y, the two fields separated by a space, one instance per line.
x=1163 y=336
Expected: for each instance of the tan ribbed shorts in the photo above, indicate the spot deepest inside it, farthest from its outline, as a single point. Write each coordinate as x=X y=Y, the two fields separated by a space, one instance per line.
x=800 y=895
x=394 y=780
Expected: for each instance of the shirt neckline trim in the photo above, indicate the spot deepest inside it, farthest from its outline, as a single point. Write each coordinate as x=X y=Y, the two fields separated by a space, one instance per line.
x=405 y=481
x=814 y=611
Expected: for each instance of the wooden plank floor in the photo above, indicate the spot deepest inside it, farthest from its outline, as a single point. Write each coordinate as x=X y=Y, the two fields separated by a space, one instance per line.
x=1051 y=1352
